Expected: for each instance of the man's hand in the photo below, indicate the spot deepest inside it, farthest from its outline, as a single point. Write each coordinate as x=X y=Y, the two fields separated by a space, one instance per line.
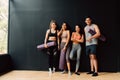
x=89 y=39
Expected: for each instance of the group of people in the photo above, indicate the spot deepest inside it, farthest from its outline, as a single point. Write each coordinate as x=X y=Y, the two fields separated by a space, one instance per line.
x=63 y=38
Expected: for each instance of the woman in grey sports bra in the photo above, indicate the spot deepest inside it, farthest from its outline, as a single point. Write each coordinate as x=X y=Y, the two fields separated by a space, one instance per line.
x=64 y=35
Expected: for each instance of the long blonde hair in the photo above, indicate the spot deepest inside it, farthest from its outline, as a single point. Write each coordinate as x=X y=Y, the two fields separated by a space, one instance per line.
x=52 y=21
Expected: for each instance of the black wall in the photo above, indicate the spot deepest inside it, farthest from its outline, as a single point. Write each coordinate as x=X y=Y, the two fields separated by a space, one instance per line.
x=29 y=20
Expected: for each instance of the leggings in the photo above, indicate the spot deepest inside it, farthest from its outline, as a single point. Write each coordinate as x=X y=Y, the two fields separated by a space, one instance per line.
x=76 y=50
x=52 y=52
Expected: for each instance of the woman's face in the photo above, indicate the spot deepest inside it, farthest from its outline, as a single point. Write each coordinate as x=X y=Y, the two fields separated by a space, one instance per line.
x=64 y=27
x=77 y=28
x=53 y=25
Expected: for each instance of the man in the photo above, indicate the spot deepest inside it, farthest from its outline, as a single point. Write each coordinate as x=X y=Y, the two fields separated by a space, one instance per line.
x=91 y=45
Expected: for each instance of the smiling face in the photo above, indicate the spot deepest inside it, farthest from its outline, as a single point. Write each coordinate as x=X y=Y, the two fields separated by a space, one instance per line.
x=77 y=28
x=53 y=25
x=88 y=21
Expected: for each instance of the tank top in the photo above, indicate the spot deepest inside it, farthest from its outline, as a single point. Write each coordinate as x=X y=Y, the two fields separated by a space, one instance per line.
x=94 y=41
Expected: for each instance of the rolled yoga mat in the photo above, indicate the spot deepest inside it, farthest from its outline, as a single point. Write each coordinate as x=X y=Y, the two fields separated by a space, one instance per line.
x=62 y=60
x=102 y=37
x=49 y=44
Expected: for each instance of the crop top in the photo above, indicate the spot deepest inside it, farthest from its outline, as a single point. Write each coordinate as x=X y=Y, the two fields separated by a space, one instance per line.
x=52 y=34
x=76 y=36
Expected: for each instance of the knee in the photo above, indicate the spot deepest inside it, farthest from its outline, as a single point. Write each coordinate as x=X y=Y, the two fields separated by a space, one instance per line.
x=71 y=57
x=93 y=57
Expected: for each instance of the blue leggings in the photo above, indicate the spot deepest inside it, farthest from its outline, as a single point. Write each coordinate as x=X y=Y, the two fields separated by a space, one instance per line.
x=76 y=50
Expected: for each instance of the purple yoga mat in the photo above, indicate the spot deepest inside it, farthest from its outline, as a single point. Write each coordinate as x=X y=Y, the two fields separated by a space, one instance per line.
x=49 y=44
x=102 y=37
x=62 y=60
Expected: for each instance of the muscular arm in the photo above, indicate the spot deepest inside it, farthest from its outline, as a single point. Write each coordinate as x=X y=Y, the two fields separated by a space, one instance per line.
x=97 y=32
x=96 y=35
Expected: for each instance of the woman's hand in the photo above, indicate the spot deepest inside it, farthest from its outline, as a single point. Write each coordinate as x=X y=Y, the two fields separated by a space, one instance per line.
x=74 y=40
x=58 y=47
x=64 y=48
x=45 y=45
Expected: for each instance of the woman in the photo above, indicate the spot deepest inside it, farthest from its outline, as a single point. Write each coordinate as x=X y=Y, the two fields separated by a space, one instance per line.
x=64 y=34
x=51 y=36
x=76 y=39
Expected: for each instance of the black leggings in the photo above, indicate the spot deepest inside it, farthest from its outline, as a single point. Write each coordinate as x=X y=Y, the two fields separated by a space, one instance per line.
x=52 y=51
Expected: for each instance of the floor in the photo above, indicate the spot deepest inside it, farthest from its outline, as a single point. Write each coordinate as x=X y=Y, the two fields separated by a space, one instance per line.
x=44 y=75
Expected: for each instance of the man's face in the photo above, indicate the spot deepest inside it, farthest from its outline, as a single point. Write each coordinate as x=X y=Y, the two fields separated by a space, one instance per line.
x=88 y=21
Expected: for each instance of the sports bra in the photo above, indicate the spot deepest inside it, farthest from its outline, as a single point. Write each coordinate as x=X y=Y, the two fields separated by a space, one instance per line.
x=52 y=34
x=76 y=36
x=64 y=35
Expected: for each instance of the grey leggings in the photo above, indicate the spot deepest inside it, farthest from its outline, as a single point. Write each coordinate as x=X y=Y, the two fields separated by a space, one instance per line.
x=76 y=50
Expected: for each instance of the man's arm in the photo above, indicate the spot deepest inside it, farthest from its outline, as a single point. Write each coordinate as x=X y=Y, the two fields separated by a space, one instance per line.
x=96 y=35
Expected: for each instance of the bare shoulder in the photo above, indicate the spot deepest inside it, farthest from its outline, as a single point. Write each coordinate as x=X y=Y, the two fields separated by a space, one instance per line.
x=82 y=35
x=96 y=28
x=57 y=30
x=73 y=33
x=95 y=25
x=48 y=30
x=67 y=31
x=85 y=27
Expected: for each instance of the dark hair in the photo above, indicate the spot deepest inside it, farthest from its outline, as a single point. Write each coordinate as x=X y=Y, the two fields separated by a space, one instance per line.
x=88 y=17
x=81 y=30
x=91 y=18
x=78 y=25
x=68 y=27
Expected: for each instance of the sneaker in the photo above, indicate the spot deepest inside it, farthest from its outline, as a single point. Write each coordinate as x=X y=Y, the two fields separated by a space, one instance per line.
x=63 y=72
x=77 y=73
x=69 y=73
x=95 y=74
x=53 y=70
x=50 y=71
x=91 y=72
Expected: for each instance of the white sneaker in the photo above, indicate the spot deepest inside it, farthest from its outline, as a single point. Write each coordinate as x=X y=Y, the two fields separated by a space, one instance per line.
x=69 y=73
x=63 y=72
x=50 y=71
x=53 y=69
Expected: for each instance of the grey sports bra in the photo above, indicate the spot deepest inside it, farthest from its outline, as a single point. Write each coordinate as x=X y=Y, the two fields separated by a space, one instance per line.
x=64 y=35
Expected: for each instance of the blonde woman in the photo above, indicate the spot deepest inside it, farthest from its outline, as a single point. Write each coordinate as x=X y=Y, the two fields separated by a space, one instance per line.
x=51 y=36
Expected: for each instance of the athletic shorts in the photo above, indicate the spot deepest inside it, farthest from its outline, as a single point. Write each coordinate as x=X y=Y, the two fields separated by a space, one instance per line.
x=91 y=49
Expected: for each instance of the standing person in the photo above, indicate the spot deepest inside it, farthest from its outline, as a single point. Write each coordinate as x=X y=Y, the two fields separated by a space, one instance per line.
x=64 y=34
x=76 y=38
x=91 y=45
x=51 y=36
